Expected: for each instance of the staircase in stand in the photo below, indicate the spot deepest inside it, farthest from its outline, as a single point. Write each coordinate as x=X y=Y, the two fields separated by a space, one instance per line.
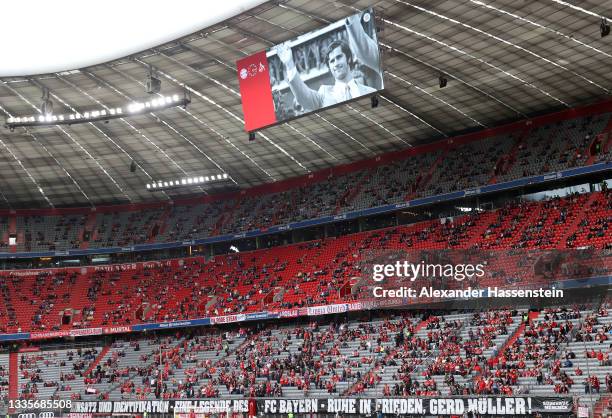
x=227 y=214
x=90 y=226
x=161 y=225
x=347 y=198
x=604 y=136
x=517 y=334
x=12 y=230
x=571 y=227
x=418 y=327
x=600 y=406
x=507 y=160
x=13 y=375
x=97 y=361
x=423 y=181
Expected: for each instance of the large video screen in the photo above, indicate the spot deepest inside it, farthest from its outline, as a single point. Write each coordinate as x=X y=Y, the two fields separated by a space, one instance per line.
x=319 y=69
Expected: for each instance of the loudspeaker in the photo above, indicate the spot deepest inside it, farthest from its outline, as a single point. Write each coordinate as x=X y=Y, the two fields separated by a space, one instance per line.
x=443 y=81
x=374 y=101
x=604 y=27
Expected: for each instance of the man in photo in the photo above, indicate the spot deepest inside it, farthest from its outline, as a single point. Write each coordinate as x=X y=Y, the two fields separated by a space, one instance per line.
x=340 y=59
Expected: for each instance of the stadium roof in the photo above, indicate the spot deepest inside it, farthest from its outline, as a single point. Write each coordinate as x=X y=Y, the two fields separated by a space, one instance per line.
x=504 y=60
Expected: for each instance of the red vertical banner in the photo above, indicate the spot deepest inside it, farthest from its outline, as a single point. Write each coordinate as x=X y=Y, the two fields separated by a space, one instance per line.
x=255 y=91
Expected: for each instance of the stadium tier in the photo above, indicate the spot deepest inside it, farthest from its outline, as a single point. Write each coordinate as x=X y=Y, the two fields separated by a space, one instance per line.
x=320 y=272
x=509 y=352
x=528 y=151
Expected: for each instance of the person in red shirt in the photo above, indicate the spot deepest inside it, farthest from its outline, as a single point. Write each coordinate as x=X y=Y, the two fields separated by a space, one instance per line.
x=252 y=408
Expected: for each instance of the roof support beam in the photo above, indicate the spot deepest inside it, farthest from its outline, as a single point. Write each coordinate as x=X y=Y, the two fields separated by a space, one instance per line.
x=435 y=69
x=237 y=118
x=67 y=134
x=237 y=94
x=44 y=147
x=138 y=131
x=177 y=131
x=504 y=42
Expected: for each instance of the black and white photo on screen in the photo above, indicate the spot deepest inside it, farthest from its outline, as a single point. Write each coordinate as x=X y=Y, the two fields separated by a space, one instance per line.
x=334 y=64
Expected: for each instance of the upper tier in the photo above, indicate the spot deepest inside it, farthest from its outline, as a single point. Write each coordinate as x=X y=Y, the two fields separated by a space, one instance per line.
x=520 y=151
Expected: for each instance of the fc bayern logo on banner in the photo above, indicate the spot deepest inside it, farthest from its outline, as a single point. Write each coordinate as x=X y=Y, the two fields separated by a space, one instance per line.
x=252 y=71
x=254 y=81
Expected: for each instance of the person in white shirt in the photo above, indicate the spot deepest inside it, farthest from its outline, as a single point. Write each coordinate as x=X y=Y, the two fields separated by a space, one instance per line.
x=339 y=59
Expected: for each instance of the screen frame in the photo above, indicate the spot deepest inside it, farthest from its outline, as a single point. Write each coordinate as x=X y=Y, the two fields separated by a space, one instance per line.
x=270 y=52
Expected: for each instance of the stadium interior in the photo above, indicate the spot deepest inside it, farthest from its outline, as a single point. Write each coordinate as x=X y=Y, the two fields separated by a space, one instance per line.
x=164 y=253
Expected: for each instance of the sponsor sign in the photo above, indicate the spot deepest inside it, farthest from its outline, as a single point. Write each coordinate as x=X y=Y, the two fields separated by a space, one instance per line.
x=226 y=319
x=86 y=331
x=327 y=309
x=117 y=330
x=258 y=316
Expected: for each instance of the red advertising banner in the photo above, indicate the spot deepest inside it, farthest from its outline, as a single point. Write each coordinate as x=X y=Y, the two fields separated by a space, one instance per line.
x=48 y=334
x=85 y=331
x=254 y=80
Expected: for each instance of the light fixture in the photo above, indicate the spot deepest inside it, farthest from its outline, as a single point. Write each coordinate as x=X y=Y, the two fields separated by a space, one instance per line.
x=187 y=181
x=95 y=115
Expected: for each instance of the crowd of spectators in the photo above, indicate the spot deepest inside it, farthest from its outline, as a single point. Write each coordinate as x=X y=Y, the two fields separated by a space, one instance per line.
x=421 y=353
x=313 y=273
